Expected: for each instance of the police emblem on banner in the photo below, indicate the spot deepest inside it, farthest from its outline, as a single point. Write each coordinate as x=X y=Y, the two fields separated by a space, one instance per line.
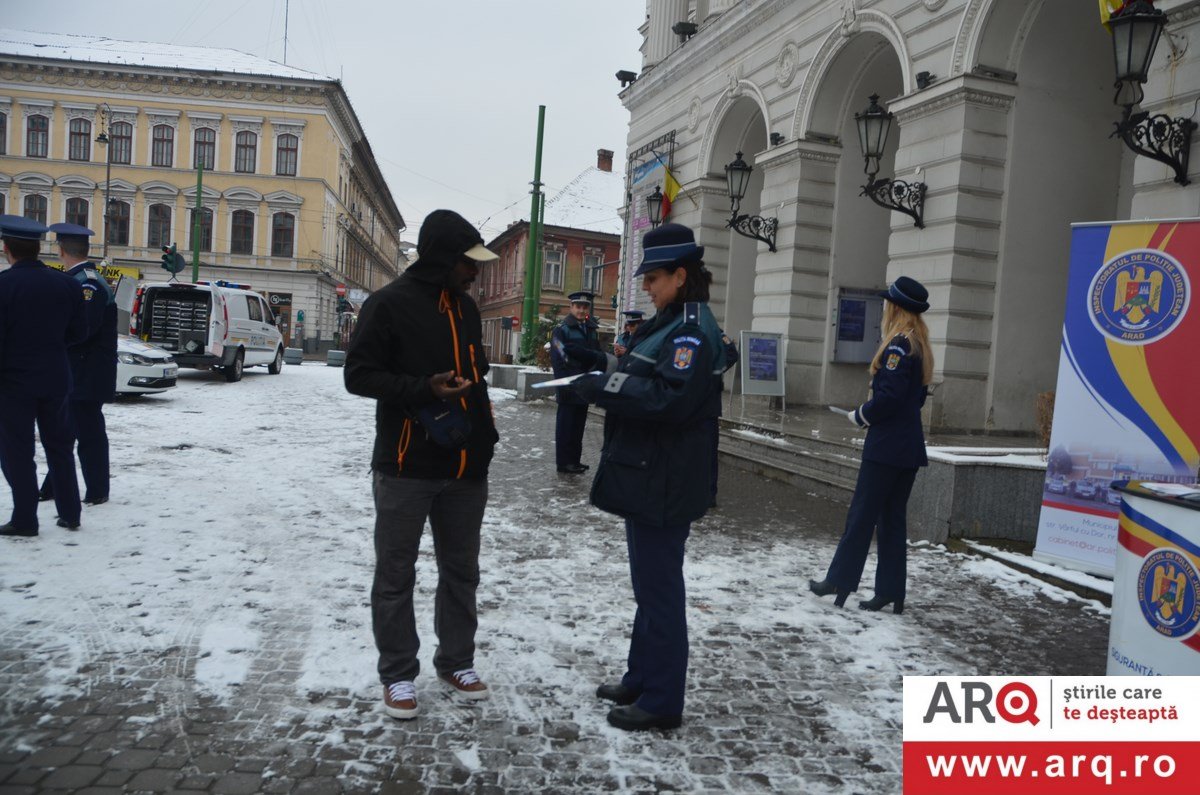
x=1139 y=296
x=1169 y=592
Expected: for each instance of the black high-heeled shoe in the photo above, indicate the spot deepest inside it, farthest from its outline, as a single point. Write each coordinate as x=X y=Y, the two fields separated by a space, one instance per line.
x=825 y=587
x=877 y=603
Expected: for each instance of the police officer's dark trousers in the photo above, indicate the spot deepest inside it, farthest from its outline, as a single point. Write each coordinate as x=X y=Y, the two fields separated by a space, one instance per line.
x=88 y=428
x=454 y=509
x=568 y=433
x=879 y=506
x=17 y=417
x=658 y=648
x=87 y=417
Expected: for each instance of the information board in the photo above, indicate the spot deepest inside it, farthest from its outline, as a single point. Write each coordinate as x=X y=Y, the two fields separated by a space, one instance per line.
x=762 y=363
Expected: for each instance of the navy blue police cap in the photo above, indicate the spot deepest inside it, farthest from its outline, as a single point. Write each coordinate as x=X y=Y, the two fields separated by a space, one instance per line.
x=908 y=293
x=634 y=315
x=16 y=227
x=71 y=231
x=581 y=297
x=668 y=246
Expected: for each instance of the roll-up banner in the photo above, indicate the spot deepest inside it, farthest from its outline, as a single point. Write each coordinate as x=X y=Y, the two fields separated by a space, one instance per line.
x=1127 y=404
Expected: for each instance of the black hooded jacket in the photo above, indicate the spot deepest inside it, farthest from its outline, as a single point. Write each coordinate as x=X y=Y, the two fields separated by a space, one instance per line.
x=414 y=328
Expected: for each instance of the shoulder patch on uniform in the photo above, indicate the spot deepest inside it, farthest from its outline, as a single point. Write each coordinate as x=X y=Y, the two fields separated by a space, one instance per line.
x=897 y=349
x=685 y=351
x=88 y=292
x=893 y=361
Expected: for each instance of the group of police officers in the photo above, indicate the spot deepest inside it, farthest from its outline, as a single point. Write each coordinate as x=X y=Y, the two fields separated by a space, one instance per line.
x=58 y=360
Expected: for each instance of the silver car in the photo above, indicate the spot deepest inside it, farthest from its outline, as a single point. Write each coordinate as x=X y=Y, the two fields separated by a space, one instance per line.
x=143 y=369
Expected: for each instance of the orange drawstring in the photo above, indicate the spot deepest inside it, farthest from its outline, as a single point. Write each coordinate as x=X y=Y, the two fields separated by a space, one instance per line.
x=405 y=438
x=444 y=305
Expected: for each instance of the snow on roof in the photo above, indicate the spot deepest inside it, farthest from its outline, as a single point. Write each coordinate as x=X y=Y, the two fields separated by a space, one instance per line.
x=590 y=202
x=100 y=49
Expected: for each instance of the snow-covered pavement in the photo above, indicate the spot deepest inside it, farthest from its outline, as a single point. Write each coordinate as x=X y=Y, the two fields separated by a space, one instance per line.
x=209 y=628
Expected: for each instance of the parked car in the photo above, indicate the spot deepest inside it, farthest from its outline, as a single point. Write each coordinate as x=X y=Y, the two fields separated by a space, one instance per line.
x=221 y=326
x=142 y=368
x=1112 y=496
x=1057 y=485
x=1085 y=489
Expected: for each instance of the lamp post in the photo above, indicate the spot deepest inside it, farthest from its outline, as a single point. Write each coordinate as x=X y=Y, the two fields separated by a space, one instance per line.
x=874 y=124
x=654 y=203
x=737 y=175
x=103 y=139
x=1135 y=33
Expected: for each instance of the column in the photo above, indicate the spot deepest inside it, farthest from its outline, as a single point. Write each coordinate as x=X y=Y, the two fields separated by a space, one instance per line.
x=956 y=133
x=661 y=42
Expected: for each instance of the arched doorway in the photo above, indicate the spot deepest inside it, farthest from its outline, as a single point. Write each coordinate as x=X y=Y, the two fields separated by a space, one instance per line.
x=730 y=256
x=1061 y=168
x=858 y=258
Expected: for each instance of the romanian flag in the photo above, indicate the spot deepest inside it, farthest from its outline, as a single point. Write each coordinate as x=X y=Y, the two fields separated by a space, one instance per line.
x=671 y=189
x=1110 y=8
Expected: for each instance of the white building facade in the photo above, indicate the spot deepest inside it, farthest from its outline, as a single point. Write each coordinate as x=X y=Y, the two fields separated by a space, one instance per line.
x=1002 y=108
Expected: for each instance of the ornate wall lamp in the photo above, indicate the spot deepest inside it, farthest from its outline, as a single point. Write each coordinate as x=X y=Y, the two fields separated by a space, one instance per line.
x=737 y=174
x=654 y=202
x=874 y=123
x=1135 y=33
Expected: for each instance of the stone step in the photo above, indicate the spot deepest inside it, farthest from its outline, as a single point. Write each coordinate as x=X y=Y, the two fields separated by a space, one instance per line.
x=828 y=467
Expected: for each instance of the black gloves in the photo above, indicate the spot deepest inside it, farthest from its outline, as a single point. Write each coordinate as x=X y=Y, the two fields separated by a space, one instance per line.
x=585 y=357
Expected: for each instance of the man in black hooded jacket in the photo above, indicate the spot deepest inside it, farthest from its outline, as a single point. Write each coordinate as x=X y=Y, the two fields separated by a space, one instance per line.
x=417 y=350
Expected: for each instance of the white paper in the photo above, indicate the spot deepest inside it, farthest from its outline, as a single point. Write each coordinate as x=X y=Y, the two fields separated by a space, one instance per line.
x=843 y=412
x=564 y=381
x=1171 y=489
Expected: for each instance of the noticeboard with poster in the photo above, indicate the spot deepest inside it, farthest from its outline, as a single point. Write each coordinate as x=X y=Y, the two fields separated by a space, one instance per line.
x=1125 y=402
x=762 y=363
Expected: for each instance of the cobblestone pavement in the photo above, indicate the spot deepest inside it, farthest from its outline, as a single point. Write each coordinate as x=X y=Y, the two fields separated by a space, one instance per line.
x=786 y=693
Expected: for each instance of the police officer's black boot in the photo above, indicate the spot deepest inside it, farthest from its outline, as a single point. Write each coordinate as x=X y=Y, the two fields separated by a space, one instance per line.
x=617 y=693
x=825 y=587
x=877 y=603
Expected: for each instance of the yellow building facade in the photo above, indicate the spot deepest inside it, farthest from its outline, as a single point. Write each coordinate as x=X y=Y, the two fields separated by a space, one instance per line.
x=292 y=201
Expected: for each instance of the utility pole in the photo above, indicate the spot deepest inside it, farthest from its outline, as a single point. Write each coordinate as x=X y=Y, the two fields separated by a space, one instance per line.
x=532 y=270
x=104 y=139
x=196 y=219
x=286 y=8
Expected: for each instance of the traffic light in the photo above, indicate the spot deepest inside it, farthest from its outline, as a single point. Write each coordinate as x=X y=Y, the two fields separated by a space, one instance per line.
x=172 y=261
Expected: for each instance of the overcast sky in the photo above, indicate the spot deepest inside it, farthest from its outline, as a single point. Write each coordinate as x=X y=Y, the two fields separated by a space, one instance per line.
x=447 y=91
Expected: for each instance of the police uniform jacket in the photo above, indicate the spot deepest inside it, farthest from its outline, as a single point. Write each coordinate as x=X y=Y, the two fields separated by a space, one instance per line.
x=892 y=415
x=411 y=329
x=94 y=359
x=571 y=331
x=41 y=313
x=660 y=401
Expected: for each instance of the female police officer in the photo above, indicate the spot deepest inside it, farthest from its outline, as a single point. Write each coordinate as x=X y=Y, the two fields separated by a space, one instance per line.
x=894 y=449
x=654 y=471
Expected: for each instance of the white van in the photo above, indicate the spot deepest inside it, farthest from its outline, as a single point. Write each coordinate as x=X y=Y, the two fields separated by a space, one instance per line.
x=209 y=325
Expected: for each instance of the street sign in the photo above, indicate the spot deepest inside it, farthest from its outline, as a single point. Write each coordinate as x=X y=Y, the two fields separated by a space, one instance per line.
x=341 y=290
x=516 y=322
x=300 y=316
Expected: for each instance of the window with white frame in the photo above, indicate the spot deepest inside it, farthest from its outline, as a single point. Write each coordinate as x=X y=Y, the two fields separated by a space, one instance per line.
x=35 y=208
x=552 y=266
x=37 y=136
x=245 y=152
x=121 y=140
x=593 y=271
x=77 y=211
x=79 y=139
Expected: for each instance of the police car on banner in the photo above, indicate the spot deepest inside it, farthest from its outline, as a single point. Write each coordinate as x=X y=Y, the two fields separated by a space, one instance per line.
x=209 y=326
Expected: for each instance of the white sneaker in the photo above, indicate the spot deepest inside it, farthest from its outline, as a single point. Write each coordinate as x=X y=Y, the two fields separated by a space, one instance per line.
x=467 y=683
x=400 y=700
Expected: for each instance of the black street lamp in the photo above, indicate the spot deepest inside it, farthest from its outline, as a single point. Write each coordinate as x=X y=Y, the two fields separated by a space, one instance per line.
x=103 y=139
x=737 y=175
x=1136 y=29
x=874 y=124
x=654 y=203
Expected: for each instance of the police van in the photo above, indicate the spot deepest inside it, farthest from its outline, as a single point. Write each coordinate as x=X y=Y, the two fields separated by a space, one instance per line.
x=209 y=326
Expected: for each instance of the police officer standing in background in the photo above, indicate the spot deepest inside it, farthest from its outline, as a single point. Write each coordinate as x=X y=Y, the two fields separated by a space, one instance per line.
x=633 y=319
x=574 y=346
x=93 y=365
x=41 y=313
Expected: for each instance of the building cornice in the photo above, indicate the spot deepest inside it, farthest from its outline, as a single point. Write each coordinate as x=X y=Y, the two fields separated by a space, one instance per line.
x=961 y=90
x=712 y=43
